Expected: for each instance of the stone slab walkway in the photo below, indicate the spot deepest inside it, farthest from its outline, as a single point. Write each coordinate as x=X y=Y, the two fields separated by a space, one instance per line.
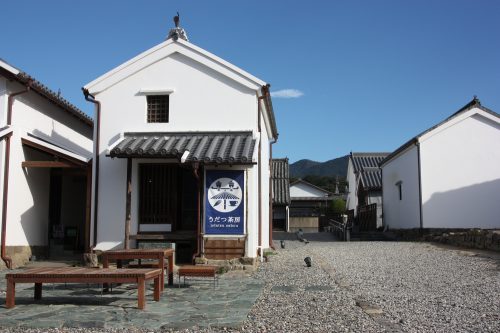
x=83 y=306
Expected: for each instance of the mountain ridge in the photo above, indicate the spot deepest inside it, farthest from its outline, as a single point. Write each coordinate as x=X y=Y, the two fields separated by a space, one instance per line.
x=330 y=168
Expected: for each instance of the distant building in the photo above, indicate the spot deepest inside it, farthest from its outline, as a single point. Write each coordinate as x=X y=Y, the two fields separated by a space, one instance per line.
x=365 y=182
x=308 y=204
x=280 y=182
x=45 y=149
x=448 y=176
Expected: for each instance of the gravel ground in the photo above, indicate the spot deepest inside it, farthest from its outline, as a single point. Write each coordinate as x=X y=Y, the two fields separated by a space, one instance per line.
x=371 y=287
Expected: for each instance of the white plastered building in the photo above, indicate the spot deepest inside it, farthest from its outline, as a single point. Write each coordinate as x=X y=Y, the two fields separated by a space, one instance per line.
x=170 y=119
x=447 y=176
x=45 y=150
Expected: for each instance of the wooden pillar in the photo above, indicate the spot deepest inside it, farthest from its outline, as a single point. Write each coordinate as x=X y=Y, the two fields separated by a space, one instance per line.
x=128 y=203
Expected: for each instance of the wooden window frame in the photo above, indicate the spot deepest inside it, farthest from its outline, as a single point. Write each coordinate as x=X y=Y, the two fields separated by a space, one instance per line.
x=158 y=108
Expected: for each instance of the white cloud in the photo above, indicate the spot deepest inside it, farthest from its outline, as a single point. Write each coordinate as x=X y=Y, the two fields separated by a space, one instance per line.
x=287 y=93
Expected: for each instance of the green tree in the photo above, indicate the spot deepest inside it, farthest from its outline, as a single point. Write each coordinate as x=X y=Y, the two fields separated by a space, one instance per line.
x=338 y=206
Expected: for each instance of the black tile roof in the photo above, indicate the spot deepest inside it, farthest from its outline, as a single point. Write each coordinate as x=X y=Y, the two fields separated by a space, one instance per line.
x=366 y=165
x=54 y=97
x=371 y=179
x=361 y=161
x=280 y=181
x=206 y=147
x=47 y=93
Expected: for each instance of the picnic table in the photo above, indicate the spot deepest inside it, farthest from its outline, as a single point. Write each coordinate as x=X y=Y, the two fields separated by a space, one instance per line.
x=129 y=254
x=38 y=276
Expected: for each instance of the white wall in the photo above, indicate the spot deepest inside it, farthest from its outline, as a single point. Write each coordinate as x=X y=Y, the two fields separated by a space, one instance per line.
x=28 y=200
x=301 y=190
x=202 y=100
x=3 y=102
x=29 y=189
x=461 y=175
x=352 y=198
x=3 y=121
x=405 y=213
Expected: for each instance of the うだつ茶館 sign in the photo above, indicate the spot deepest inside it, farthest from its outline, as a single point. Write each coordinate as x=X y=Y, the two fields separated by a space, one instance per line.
x=224 y=202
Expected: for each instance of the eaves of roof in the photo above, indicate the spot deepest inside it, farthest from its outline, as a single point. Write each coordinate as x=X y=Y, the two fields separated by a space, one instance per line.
x=475 y=103
x=361 y=161
x=164 y=49
x=311 y=185
x=220 y=148
x=371 y=179
x=44 y=91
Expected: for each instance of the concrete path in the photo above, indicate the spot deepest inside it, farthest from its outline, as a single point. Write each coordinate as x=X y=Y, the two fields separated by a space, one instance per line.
x=81 y=305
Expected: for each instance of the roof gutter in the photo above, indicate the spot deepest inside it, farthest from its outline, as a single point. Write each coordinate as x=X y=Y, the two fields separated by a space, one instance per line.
x=266 y=95
x=417 y=144
x=271 y=194
x=91 y=98
x=6 y=259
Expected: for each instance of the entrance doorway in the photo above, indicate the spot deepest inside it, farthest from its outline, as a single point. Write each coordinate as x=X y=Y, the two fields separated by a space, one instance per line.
x=60 y=190
x=168 y=202
x=67 y=213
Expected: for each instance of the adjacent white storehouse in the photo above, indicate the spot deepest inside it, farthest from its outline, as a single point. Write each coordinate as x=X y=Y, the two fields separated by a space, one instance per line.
x=45 y=149
x=447 y=176
x=365 y=182
x=183 y=154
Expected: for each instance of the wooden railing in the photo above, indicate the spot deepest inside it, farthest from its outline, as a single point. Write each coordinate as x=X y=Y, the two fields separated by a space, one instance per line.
x=340 y=229
x=367 y=217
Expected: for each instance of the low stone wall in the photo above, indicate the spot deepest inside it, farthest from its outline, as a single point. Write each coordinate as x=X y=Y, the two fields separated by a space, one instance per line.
x=307 y=224
x=20 y=255
x=471 y=238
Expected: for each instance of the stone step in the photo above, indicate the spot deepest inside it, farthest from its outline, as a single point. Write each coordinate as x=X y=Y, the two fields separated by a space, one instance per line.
x=372 y=236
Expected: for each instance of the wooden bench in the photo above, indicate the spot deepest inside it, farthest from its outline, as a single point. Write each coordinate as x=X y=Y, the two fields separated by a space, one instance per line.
x=158 y=254
x=38 y=276
x=197 y=271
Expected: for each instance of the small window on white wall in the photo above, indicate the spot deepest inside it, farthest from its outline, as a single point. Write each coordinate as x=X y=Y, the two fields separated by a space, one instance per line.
x=158 y=107
x=399 y=185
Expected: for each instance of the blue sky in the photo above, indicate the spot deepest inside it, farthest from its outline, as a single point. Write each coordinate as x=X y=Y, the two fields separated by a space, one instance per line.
x=365 y=75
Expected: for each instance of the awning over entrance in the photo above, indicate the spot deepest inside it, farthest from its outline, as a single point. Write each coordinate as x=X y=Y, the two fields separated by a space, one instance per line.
x=55 y=150
x=4 y=131
x=206 y=147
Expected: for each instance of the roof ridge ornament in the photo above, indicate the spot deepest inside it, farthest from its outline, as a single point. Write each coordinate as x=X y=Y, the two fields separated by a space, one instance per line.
x=177 y=32
x=476 y=100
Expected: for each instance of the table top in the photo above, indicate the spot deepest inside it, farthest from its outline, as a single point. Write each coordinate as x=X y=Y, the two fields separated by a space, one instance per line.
x=165 y=252
x=73 y=272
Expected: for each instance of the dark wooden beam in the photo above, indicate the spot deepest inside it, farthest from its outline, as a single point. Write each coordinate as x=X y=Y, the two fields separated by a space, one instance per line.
x=53 y=152
x=48 y=164
x=128 y=203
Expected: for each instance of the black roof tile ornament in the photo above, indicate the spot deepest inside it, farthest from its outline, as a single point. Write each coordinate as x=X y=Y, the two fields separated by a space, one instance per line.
x=177 y=32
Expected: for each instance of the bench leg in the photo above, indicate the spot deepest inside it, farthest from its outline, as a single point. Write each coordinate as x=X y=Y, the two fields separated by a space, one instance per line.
x=38 y=291
x=157 y=288
x=11 y=294
x=171 y=270
x=161 y=264
x=141 y=290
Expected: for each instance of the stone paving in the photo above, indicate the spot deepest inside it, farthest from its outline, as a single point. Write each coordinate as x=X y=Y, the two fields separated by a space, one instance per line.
x=81 y=305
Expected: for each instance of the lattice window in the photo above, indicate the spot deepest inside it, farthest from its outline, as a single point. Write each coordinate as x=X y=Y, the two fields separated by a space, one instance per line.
x=157 y=108
x=158 y=194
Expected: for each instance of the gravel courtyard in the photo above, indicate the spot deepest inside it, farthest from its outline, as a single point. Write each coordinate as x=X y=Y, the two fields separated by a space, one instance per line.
x=373 y=287
x=378 y=287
